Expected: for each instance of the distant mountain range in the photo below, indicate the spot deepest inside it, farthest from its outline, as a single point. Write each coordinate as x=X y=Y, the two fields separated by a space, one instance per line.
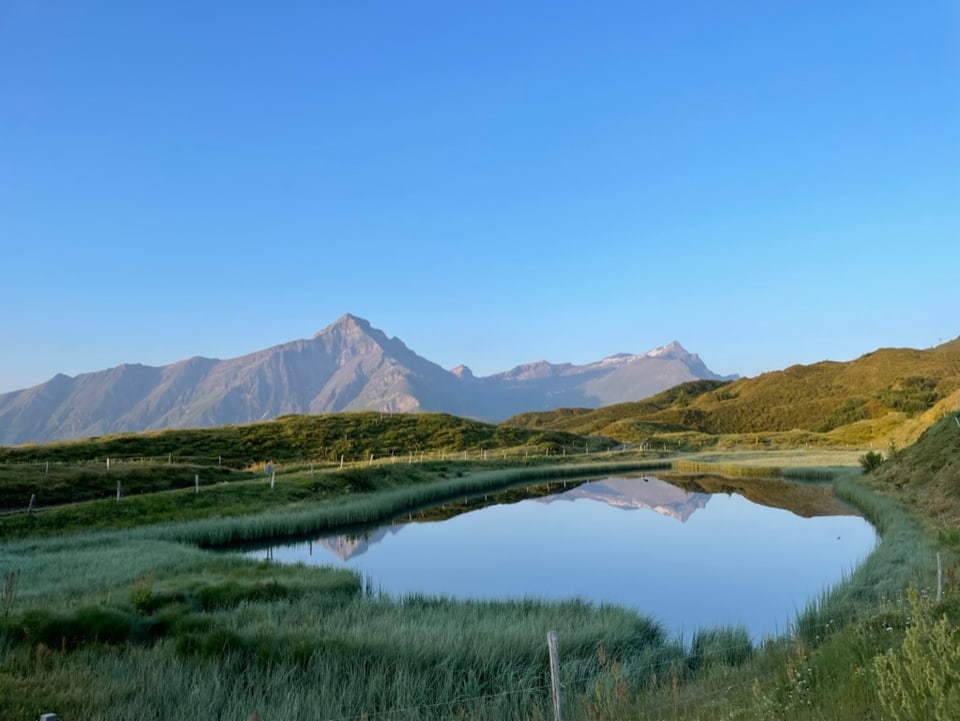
x=890 y=395
x=348 y=365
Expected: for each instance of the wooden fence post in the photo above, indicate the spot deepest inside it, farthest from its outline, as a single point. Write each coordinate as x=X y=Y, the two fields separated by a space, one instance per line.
x=554 y=674
x=33 y=499
x=118 y=490
x=939 y=578
x=196 y=483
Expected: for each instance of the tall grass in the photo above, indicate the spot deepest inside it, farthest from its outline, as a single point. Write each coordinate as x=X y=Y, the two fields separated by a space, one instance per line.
x=270 y=639
x=726 y=469
x=364 y=509
x=904 y=557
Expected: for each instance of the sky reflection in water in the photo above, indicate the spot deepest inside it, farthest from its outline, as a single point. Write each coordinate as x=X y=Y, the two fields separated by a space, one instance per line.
x=687 y=559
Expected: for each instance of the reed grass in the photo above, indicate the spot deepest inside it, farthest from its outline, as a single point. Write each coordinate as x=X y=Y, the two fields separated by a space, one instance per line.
x=727 y=469
x=365 y=509
x=904 y=557
x=323 y=647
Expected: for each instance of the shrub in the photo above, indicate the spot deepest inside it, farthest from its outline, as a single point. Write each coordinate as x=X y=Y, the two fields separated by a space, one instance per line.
x=870 y=460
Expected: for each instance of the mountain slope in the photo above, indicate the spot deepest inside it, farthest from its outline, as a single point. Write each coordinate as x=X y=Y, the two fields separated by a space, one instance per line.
x=349 y=365
x=926 y=476
x=545 y=386
x=346 y=366
x=889 y=394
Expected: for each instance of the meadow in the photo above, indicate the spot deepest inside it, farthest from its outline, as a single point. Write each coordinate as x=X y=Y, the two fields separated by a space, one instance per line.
x=122 y=609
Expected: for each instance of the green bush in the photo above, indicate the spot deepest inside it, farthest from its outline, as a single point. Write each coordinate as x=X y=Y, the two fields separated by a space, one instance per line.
x=870 y=460
x=912 y=395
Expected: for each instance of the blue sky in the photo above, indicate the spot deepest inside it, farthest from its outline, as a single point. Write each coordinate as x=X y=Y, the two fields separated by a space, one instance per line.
x=769 y=183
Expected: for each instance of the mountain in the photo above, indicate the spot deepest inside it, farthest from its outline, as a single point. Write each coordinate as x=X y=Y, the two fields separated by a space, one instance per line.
x=544 y=386
x=891 y=394
x=349 y=365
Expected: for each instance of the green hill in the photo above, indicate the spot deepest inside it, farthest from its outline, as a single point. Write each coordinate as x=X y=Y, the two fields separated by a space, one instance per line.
x=155 y=461
x=355 y=436
x=889 y=395
x=926 y=476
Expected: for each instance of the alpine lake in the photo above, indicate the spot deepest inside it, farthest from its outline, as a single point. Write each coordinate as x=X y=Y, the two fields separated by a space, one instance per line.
x=690 y=552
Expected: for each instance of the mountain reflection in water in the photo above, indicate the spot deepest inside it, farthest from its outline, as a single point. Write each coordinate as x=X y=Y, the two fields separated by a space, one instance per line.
x=736 y=562
x=647 y=492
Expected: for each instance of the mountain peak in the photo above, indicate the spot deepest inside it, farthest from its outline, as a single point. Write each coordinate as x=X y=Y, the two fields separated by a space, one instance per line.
x=462 y=371
x=345 y=324
x=673 y=349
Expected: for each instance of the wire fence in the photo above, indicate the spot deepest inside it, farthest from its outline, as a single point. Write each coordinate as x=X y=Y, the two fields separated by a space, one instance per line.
x=379 y=456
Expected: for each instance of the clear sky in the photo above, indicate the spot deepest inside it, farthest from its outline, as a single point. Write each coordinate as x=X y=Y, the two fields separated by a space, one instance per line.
x=494 y=183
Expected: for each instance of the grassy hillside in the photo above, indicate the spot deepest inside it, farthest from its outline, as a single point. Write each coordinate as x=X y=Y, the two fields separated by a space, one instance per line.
x=892 y=394
x=926 y=476
x=355 y=436
x=151 y=462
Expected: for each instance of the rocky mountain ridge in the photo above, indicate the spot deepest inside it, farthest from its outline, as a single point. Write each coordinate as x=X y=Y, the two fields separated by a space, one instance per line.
x=349 y=365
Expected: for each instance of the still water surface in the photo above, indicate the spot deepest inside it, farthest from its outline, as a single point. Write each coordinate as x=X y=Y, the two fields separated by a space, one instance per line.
x=688 y=559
